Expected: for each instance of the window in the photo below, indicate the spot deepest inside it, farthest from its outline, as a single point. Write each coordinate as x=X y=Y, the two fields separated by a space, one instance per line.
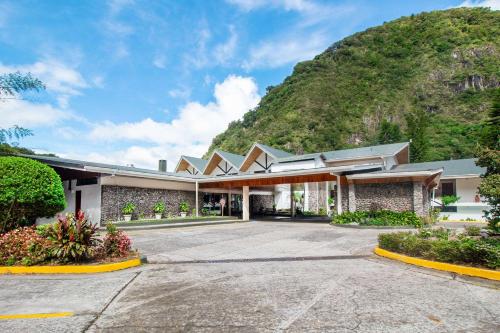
x=86 y=181
x=448 y=188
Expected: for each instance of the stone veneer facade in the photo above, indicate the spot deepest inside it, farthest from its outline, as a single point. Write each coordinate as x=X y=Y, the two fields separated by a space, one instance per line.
x=391 y=196
x=261 y=201
x=113 y=198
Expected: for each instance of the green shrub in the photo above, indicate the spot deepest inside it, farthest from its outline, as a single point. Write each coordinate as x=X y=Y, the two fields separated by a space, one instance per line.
x=472 y=230
x=28 y=190
x=449 y=199
x=442 y=245
x=380 y=217
x=184 y=207
x=128 y=209
x=159 y=208
x=74 y=239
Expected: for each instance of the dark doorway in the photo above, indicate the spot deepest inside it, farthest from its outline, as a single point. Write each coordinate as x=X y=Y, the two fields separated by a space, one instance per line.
x=78 y=201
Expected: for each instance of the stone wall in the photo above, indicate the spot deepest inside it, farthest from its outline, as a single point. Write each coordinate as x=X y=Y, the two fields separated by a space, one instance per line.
x=390 y=196
x=113 y=198
x=345 y=197
x=312 y=193
x=322 y=195
x=264 y=201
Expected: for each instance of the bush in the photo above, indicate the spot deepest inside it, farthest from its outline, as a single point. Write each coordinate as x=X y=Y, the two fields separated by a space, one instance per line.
x=159 y=208
x=442 y=245
x=473 y=231
x=380 y=217
x=128 y=209
x=23 y=246
x=116 y=243
x=184 y=207
x=28 y=190
x=74 y=239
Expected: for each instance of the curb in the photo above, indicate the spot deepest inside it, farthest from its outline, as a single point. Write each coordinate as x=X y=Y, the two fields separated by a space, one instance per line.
x=440 y=266
x=36 y=315
x=387 y=227
x=70 y=269
x=174 y=225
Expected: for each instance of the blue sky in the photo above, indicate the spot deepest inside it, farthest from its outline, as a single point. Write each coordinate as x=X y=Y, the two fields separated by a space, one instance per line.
x=130 y=82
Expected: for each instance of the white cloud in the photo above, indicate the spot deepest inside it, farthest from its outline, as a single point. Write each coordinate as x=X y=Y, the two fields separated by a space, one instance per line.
x=182 y=93
x=276 y=53
x=57 y=76
x=199 y=58
x=296 y=5
x=159 y=61
x=224 y=52
x=493 y=4
x=98 y=81
x=27 y=114
x=192 y=130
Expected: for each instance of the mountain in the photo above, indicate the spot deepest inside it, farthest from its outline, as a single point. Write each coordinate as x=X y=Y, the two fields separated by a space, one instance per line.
x=445 y=64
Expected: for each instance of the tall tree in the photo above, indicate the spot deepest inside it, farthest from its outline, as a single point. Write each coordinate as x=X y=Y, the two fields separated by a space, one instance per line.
x=488 y=156
x=11 y=86
x=389 y=133
x=417 y=124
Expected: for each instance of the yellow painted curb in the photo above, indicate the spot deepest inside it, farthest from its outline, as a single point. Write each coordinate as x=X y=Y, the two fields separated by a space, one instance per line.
x=36 y=315
x=70 y=269
x=464 y=270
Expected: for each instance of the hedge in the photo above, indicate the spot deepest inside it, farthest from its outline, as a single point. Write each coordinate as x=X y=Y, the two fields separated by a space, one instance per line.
x=380 y=217
x=28 y=190
x=444 y=246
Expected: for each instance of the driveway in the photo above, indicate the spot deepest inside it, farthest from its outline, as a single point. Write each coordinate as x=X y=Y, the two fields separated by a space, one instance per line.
x=256 y=277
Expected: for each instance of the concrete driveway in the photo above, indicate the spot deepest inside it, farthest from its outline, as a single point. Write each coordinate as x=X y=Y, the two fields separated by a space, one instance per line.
x=256 y=277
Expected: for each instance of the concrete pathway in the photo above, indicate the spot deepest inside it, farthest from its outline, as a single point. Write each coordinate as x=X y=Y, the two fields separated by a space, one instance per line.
x=256 y=280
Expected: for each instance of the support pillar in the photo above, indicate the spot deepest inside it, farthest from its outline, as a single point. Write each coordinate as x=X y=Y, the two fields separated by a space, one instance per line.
x=196 y=199
x=339 y=196
x=246 y=203
x=292 y=201
x=229 y=203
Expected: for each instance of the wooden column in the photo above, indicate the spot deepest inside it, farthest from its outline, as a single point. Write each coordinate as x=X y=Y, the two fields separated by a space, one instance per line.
x=246 y=203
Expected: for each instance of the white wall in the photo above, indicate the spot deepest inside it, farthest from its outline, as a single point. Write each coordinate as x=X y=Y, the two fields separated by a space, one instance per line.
x=222 y=164
x=262 y=160
x=91 y=201
x=294 y=166
x=282 y=196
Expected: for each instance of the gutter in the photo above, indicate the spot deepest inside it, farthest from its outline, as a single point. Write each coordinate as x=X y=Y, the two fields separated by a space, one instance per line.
x=396 y=174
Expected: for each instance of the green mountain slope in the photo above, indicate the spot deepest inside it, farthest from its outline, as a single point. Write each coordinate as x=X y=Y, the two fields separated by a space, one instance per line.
x=444 y=63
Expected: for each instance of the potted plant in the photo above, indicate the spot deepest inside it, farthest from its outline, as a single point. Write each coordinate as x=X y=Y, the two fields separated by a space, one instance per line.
x=184 y=208
x=127 y=211
x=159 y=209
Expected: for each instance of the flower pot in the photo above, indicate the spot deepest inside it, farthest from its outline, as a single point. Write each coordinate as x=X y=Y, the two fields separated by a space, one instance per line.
x=183 y=214
x=158 y=216
x=127 y=218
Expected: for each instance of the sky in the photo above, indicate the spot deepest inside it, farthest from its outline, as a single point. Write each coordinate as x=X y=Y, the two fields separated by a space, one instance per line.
x=132 y=82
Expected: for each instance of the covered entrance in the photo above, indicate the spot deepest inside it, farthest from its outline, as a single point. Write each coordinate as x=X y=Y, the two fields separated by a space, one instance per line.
x=293 y=194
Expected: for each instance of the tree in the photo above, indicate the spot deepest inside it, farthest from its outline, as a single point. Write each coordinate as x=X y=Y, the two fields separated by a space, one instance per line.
x=389 y=133
x=488 y=156
x=28 y=190
x=11 y=85
x=417 y=124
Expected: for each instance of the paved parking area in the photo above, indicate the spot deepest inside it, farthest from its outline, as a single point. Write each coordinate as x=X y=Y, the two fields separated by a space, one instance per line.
x=256 y=277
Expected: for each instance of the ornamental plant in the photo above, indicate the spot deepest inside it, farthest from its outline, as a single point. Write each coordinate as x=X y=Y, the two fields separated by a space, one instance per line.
x=378 y=217
x=74 y=238
x=28 y=190
x=116 y=243
x=128 y=209
x=449 y=199
x=23 y=246
x=184 y=207
x=159 y=207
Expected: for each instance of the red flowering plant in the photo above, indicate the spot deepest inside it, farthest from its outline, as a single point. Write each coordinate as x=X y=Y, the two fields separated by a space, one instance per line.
x=116 y=243
x=24 y=246
x=74 y=238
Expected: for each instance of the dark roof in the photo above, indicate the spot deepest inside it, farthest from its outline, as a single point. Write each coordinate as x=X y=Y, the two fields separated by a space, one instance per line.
x=450 y=167
x=234 y=159
x=198 y=163
x=77 y=164
x=380 y=150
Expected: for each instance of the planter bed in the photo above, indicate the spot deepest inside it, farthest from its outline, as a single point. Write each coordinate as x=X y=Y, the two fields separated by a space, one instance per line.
x=100 y=266
x=360 y=226
x=446 y=246
x=174 y=220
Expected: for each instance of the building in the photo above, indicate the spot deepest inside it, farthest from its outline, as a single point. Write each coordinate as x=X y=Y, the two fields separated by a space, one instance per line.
x=271 y=181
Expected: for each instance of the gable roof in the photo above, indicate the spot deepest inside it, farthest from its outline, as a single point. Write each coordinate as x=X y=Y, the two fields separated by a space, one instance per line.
x=197 y=163
x=233 y=159
x=276 y=153
x=365 y=152
x=451 y=168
